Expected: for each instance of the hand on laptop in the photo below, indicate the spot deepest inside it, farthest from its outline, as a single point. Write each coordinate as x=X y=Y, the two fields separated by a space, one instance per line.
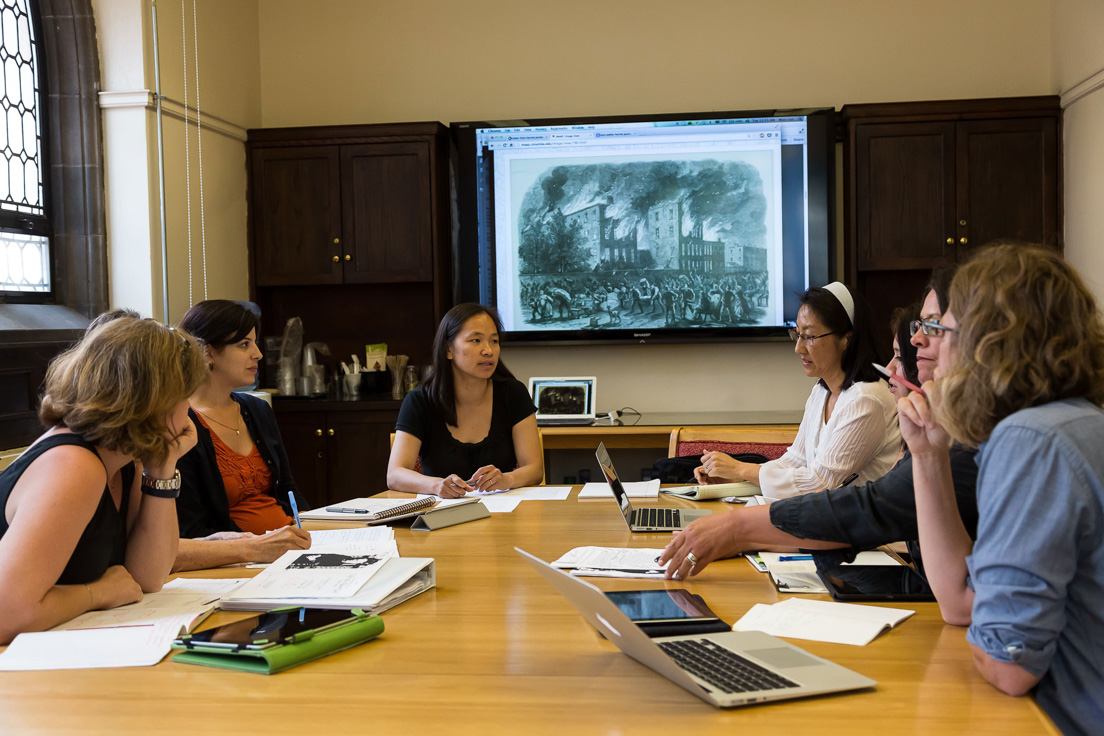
x=707 y=539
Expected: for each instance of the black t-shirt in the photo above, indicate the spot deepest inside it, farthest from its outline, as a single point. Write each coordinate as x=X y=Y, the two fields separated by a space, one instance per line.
x=442 y=454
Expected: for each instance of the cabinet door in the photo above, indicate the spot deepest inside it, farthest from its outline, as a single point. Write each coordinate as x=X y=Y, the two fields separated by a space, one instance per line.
x=297 y=212
x=303 y=434
x=904 y=195
x=1007 y=182
x=388 y=224
x=357 y=453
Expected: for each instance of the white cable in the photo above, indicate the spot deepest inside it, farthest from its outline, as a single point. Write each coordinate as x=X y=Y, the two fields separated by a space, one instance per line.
x=199 y=139
x=187 y=152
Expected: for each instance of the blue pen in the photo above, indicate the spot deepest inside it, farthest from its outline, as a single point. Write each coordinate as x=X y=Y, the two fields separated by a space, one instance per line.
x=294 y=509
x=794 y=558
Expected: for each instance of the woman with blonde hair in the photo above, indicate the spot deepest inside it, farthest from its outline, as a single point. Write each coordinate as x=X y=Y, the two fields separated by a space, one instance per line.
x=1021 y=377
x=89 y=510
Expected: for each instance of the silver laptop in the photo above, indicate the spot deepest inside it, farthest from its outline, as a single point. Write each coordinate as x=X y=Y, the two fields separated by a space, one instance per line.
x=647 y=518
x=727 y=669
x=564 y=401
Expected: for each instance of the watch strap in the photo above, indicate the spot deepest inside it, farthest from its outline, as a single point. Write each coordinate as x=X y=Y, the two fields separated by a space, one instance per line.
x=161 y=488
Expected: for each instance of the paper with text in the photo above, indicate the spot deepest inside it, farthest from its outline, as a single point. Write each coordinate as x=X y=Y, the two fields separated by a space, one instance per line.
x=634 y=489
x=839 y=623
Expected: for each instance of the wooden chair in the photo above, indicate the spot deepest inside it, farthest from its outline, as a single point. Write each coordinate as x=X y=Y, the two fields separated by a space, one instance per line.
x=768 y=441
x=540 y=436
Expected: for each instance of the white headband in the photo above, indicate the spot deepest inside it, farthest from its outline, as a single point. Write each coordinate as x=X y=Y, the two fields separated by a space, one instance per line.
x=840 y=292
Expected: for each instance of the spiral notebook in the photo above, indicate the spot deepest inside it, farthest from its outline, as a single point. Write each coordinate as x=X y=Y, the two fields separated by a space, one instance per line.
x=373 y=510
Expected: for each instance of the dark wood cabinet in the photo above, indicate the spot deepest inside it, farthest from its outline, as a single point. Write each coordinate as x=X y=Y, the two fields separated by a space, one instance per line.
x=350 y=232
x=340 y=453
x=360 y=209
x=296 y=209
x=927 y=182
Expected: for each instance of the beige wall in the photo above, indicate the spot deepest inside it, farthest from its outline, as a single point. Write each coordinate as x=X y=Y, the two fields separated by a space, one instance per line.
x=1079 y=68
x=229 y=89
x=353 y=61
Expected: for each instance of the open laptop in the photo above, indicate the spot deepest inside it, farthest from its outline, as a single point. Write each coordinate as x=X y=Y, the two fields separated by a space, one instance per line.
x=725 y=669
x=645 y=519
x=564 y=401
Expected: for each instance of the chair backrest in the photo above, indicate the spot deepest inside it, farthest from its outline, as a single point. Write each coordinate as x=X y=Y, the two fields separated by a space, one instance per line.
x=766 y=440
x=540 y=436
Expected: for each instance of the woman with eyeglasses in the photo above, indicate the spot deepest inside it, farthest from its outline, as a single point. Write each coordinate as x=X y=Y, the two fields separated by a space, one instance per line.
x=849 y=430
x=89 y=510
x=1021 y=377
x=234 y=504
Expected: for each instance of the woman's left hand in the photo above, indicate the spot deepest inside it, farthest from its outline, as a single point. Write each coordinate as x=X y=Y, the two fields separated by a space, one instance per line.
x=488 y=478
x=183 y=439
x=718 y=467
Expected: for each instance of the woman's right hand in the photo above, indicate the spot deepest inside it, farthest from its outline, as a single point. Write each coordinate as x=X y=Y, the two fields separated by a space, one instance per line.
x=718 y=467
x=115 y=588
x=452 y=486
x=921 y=431
x=269 y=546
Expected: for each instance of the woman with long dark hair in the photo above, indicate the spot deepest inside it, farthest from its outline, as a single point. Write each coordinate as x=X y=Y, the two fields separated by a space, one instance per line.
x=471 y=425
x=849 y=429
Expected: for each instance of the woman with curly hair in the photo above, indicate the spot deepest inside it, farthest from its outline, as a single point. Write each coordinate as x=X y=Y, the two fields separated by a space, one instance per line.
x=1021 y=377
x=89 y=510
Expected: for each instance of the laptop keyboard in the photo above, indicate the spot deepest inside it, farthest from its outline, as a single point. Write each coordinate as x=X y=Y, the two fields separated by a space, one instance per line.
x=722 y=668
x=656 y=517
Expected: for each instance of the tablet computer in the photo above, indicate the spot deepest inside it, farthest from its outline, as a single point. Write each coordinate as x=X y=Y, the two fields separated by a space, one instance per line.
x=875 y=583
x=667 y=612
x=268 y=630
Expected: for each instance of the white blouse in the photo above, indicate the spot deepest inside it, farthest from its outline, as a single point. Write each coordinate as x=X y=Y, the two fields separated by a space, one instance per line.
x=862 y=437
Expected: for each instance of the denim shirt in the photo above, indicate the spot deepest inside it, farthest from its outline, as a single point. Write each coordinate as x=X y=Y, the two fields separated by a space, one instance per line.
x=1037 y=568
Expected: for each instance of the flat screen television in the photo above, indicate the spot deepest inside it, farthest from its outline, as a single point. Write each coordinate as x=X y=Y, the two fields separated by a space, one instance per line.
x=652 y=228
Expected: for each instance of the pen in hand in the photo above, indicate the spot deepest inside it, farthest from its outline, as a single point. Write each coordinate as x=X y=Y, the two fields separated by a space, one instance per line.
x=294 y=509
x=898 y=379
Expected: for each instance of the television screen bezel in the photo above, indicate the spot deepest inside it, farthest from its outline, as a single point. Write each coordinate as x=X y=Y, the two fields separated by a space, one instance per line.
x=821 y=152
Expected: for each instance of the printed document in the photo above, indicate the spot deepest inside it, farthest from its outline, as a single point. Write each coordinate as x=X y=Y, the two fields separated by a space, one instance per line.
x=839 y=623
x=634 y=489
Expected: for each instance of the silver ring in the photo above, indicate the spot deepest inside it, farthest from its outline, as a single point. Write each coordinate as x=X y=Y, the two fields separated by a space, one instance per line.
x=692 y=558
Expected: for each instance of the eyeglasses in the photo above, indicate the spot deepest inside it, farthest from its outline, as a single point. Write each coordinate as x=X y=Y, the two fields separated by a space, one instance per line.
x=809 y=339
x=930 y=327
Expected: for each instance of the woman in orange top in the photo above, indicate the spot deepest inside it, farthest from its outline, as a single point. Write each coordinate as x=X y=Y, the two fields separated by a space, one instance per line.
x=233 y=503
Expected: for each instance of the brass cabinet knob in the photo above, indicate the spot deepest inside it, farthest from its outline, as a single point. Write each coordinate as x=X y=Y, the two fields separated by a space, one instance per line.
x=962 y=223
x=337 y=240
x=348 y=257
x=336 y=259
x=962 y=241
x=330 y=432
x=318 y=432
x=950 y=241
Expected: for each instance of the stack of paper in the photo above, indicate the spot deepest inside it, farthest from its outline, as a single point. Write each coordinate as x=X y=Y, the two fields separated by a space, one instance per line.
x=183 y=602
x=128 y=646
x=633 y=489
x=794 y=572
x=839 y=623
x=612 y=562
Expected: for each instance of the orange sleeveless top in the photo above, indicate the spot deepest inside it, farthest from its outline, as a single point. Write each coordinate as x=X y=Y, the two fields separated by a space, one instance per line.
x=248 y=481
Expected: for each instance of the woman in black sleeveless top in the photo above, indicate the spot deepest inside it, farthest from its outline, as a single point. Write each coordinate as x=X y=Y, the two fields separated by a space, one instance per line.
x=88 y=511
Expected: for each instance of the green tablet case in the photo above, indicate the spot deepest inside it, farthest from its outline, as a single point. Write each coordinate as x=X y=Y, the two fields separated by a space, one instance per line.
x=305 y=646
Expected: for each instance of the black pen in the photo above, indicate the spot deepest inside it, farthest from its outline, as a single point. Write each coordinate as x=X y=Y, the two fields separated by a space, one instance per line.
x=343 y=510
x=850 y=479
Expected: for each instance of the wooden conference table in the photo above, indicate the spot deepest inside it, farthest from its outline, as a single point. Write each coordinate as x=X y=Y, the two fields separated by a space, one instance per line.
x=494 y=649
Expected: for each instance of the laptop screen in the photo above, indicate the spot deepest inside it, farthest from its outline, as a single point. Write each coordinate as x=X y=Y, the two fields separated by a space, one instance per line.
x=563 y=398
x=614 y=481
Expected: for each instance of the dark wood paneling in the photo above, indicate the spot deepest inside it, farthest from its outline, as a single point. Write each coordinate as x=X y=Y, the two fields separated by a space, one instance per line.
x=296 y=209
x=904 y=185
x=1008 y=181
x=888 y=290
x=303 y=434
x=386 y=212
x=21 y=377
x=357 y=453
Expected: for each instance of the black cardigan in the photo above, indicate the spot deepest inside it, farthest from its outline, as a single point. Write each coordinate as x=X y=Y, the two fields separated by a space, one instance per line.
x=202 y=507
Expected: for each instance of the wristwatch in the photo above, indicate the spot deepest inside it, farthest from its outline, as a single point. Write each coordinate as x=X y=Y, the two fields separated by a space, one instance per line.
x=161 y=488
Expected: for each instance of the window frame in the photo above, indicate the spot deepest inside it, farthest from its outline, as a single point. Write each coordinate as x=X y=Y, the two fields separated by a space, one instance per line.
x=26 y=222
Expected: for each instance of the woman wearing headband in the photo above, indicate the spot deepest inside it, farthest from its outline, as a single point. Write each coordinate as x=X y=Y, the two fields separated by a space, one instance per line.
x=849 y=430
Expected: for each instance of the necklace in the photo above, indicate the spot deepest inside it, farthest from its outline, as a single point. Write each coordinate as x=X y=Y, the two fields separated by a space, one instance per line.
x=237 y=429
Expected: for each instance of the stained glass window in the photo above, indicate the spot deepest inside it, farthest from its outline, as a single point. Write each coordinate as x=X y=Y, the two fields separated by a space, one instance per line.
x=24 y=251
